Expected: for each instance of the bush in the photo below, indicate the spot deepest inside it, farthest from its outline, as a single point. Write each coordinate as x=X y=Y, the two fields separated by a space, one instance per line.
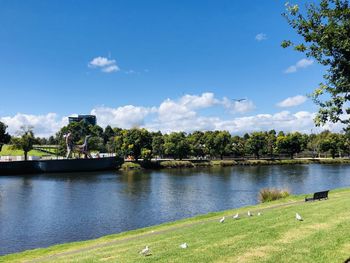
x=176 y=164
x=271 y=194
x=130 y=166
x=224 y=162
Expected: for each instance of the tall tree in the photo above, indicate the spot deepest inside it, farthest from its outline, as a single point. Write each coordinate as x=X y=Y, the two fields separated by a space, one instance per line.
x=176 y=145
x=4 y=136
x=257 y=144
x=222 y=142
x=108 y=133
x=333 y=143
x=25 y=141
x=291 y=143
x=325 y=29
x=238 y=146
x=157 y=144
x=135 y=140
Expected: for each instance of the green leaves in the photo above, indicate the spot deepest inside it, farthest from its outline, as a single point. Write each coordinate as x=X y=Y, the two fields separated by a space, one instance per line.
x=326 y=30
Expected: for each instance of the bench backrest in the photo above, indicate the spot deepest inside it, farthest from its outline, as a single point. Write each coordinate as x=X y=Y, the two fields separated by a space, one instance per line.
x=320 y=195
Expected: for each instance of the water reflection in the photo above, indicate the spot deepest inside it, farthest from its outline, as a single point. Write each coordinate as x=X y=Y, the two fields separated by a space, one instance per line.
x=42 y=210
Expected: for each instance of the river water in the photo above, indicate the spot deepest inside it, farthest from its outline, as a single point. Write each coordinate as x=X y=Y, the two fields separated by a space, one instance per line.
x=42 y=210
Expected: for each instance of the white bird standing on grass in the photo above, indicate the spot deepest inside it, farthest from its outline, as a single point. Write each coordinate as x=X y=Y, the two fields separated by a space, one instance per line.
x=298 y=217
x=184 y=245
x=222 y=220
x=250 y=214
x=145 y=251
x=236 y=216
x=259 y=214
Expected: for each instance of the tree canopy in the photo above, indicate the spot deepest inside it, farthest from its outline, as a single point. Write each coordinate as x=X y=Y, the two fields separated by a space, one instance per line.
x=325 y=29
x=4 y=136
x=25 y=141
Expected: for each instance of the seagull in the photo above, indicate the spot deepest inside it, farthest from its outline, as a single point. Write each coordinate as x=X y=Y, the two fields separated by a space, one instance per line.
x=259 y=214
x=239 y=100
x=145 y=251
x=250 y=214
x=222 y=220
x=184 y=245
x=298 y=217
x=236 y=216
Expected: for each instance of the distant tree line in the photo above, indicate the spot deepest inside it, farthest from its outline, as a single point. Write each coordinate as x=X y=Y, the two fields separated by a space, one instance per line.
x=140 y=143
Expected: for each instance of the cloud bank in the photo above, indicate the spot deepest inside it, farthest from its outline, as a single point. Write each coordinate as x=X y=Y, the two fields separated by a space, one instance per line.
x=187 y=113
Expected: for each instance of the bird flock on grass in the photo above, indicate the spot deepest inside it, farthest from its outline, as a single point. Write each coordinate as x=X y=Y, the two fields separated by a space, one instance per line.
x=147 y=252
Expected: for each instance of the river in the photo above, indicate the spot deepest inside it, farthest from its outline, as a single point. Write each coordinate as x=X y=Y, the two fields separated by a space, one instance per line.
x=42 y=210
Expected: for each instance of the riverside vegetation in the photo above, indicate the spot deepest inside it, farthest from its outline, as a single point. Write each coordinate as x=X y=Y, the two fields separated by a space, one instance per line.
x=141 y=144
x=275 y=236
x=133 y=165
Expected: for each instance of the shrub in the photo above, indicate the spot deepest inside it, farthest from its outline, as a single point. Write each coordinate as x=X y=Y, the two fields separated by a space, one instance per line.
x=130 y=166
x=176 y=164
x=224 y=162
x=271 y=194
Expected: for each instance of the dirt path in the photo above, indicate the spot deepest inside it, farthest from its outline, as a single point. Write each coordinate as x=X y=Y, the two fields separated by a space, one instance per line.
x=148 y=234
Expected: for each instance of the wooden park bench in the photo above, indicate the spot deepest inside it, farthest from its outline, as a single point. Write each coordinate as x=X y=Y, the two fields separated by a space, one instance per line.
x=318 y=196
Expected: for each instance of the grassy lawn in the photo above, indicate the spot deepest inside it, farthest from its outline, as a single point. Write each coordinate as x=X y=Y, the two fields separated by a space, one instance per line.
x=7 y=151
x=275 y=236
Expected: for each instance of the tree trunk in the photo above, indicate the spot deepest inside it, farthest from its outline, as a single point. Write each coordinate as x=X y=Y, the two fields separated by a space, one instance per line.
x=25 y=156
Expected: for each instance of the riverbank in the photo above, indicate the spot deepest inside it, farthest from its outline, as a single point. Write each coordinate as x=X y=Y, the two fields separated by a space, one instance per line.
x=275 y=236
x=161 y=164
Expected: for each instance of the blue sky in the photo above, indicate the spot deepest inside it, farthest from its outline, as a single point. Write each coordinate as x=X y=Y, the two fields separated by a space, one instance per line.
x=126 y=60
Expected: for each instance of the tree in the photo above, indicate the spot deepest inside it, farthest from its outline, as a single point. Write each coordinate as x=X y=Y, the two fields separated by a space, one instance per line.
x=291 y=143
x=176 y=145
x=108 y=133
x=4 y=136
x=333 y=143
x=134 y=140
x=25 y=142
x=157 y=144
x=257 y=144
x=222 y=143
x=326 y=30
x=313 y=144
x=238 y=146
x=197 y=144
x=271 y=142
x=209 y=142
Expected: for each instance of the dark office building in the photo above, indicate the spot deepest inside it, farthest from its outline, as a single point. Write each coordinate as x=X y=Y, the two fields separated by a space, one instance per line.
x=90 y=119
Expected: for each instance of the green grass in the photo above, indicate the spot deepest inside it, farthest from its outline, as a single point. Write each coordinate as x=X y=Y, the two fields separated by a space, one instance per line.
x=275 y=236
x=7 y=151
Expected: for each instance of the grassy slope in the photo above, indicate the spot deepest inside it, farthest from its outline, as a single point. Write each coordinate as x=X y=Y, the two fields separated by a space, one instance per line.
x=7 y=151
x=275 y=236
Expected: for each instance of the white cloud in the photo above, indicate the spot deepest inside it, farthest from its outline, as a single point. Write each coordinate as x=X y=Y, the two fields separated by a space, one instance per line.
x=260 y=37
x=183 y=114
x=125 y=117
x=44 y=125
x=292 y=101
x=238 y=106
x=197 y=102
x=106 y=65
x=303 y=63
x=110 y=69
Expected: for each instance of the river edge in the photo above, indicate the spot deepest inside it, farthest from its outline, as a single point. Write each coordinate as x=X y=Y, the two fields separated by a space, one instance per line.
x=166 y=164
x=100 y=248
